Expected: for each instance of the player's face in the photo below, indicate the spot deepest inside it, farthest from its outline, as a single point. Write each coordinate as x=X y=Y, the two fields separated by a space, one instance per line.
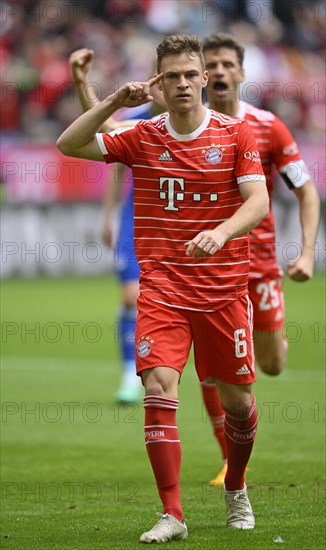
x=224 y=74
x=183 y=81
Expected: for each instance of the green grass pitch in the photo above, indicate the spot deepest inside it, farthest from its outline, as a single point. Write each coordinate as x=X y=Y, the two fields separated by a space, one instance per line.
x=75 y=473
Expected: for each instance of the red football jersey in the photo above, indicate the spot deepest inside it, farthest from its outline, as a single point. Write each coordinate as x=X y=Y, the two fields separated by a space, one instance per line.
x=277 y=149
x=184 y=184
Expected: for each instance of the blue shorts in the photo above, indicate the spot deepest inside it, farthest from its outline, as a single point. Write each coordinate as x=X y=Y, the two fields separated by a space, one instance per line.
x=126 y=264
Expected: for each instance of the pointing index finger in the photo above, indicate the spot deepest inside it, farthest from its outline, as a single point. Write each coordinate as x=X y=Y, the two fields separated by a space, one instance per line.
x=155 y=79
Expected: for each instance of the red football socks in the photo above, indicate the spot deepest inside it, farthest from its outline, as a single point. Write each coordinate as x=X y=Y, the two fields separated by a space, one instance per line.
x=216 y=414
x=164 y=450
x=240 y=431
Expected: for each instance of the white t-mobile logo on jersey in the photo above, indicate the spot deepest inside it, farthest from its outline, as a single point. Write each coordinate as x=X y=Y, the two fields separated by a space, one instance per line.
x=171 y=193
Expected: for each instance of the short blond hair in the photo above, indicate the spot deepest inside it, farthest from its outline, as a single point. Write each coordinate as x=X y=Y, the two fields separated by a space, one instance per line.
x=179 y=43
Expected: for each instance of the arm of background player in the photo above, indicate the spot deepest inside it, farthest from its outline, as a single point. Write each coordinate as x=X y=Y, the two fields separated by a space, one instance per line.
x=111 y=199
x=292 y=168
x=302 y=268
x=80 y=63
x=79 y=140
x=254 y=209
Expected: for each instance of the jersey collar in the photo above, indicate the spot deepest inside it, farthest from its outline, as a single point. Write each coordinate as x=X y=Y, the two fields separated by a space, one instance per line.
x=193 y=135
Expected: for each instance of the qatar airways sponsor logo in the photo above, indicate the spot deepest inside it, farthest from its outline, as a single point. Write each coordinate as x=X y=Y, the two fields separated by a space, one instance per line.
x=291 y=149
x=252 y=155
x=155 y=433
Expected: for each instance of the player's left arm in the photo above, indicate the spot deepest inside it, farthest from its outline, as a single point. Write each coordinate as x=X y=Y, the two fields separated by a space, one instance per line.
x=253 y=210
x=295 y=174
x=252 y=185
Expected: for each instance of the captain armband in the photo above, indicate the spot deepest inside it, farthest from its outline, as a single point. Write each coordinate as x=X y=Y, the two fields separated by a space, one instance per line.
x=295 y=174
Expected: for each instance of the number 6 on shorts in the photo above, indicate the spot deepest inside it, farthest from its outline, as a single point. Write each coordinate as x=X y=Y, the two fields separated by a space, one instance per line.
x=240 y=345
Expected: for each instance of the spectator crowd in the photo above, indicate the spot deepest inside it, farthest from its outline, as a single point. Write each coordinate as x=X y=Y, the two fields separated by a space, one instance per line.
x=284 y=63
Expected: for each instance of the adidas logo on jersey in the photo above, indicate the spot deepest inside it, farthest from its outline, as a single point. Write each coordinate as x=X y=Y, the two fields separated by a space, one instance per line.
x=243 y=370
x=165 y=156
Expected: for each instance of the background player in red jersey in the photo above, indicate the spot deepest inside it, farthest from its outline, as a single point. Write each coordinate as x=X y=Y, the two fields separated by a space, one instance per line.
x=126 y=266
x=223 y=58
x=199 y=188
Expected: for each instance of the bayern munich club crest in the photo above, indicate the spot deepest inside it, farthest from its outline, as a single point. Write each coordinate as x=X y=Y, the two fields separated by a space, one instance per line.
x=213 y=155
x=144 y=346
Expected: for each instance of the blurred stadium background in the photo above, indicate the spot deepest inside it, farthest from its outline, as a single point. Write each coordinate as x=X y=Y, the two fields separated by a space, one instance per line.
x=59 y=301
x=51 y=208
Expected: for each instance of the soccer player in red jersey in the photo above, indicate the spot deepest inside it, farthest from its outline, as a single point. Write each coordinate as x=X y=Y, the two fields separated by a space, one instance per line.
x=199 y=188
x=223 y=59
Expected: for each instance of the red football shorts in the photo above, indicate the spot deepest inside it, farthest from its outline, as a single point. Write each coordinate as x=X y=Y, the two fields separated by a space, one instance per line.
x=267 y=299
x=223 y=344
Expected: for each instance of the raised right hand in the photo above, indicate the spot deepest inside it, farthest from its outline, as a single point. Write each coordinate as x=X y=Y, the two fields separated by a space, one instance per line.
x=80 y=63
x=133 y=94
